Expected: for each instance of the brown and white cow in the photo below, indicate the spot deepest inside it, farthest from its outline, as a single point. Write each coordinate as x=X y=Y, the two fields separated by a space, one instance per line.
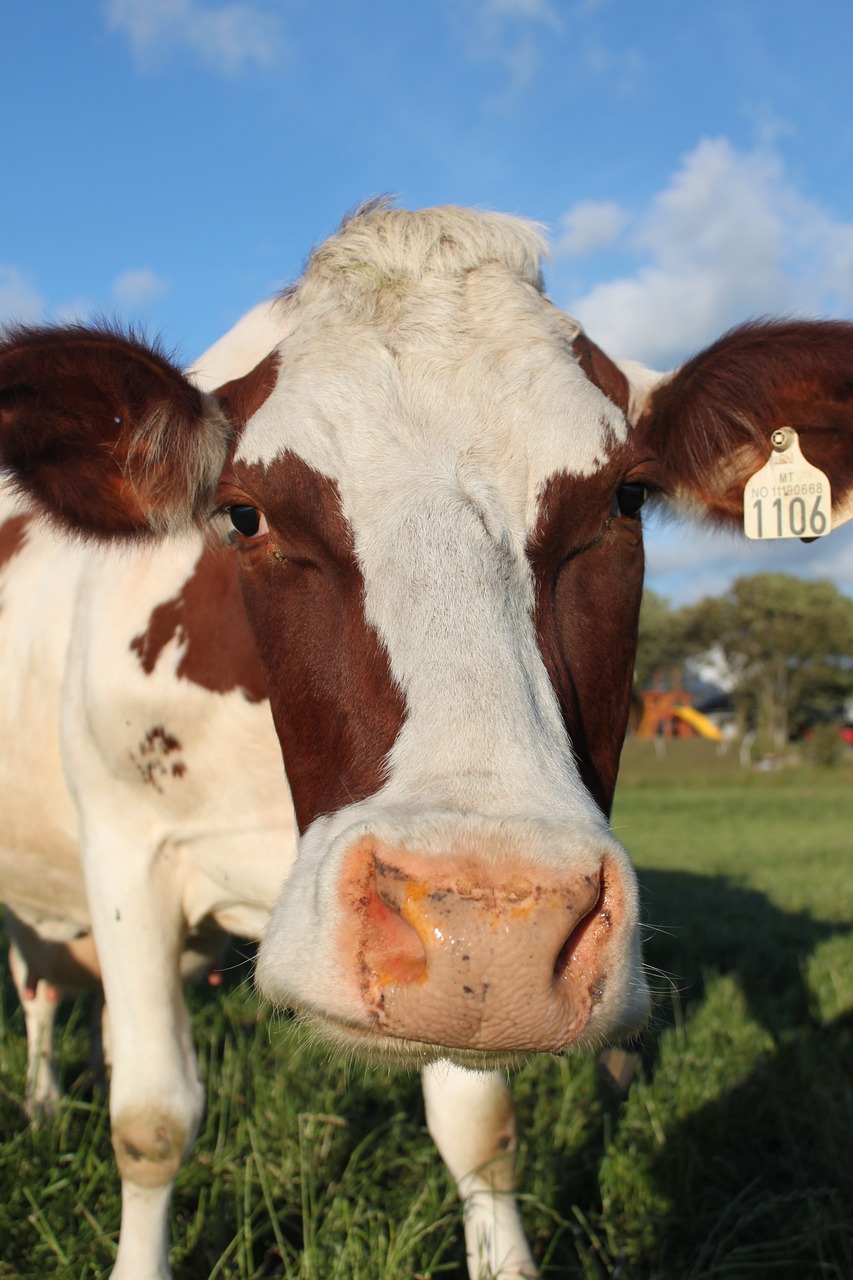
x=429 y=480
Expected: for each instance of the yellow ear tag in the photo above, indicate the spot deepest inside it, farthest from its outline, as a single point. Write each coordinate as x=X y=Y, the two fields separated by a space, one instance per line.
x=788 y=497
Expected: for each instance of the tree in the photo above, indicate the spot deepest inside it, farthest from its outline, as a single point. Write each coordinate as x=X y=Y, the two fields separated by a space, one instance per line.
x=787 y=644
x=661 y=641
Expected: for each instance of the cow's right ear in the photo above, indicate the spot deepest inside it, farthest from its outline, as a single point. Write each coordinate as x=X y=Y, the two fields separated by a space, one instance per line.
x=709 y=424
x=104 y=435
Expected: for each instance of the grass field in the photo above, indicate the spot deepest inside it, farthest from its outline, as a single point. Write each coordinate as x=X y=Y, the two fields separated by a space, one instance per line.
x=732 y=1157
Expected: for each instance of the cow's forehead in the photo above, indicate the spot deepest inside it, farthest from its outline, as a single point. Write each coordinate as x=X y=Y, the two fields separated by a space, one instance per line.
x=423 y=350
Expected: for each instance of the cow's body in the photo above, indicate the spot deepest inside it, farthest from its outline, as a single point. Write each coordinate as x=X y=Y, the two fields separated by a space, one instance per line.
x=123 y=689
x=432 y=485
x=110 y=719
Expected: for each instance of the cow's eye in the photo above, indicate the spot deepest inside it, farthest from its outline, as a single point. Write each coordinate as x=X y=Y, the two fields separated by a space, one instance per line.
x=248 y=521
x=628 y=499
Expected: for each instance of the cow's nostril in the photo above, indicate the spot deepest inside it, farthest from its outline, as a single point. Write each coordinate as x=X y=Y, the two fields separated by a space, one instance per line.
x=573 y=944
x=394 y=951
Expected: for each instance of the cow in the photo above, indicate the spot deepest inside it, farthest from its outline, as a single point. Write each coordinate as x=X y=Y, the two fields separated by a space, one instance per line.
x=400 y=510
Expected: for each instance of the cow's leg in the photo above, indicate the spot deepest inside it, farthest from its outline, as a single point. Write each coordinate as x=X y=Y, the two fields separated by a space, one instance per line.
x=156 y=1096
x=42 y=969
x=472 y=1122
x=39 y=1000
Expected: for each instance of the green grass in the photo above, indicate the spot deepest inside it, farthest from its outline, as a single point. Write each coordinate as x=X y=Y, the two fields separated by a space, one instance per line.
x=732 y=1157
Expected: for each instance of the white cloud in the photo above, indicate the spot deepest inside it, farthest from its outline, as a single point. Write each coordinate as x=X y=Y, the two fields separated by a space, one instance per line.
x=77 y=311
x=589 y=226
x=136 y=287
x=226 y=37
x=19 y=298
x=685 y=562
x=622 y=68
x=531 y=10
x=505 y=31
x=730 y=237
x=21 y=301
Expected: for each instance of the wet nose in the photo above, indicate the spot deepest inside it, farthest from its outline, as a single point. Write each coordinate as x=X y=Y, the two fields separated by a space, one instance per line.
x=461 y=952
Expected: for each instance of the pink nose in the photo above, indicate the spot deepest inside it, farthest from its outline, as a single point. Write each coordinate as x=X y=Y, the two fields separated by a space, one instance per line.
x=461 y=954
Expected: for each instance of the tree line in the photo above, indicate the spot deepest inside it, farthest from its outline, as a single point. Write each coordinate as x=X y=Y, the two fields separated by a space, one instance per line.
x=781 y=647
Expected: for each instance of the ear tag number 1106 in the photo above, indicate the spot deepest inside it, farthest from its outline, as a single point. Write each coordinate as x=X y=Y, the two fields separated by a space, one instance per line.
x=788 y=497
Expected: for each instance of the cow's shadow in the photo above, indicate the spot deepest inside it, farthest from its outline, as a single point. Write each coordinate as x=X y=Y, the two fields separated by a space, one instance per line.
x=750 y=1170
x=758 y=1181
x=699 y=923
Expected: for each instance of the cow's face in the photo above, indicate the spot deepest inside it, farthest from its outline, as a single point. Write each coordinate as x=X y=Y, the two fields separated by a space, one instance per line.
x=433 y=491
x=432 y=502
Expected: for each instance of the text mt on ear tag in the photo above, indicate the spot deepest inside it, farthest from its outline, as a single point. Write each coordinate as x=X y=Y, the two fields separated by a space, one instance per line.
x=788 y=497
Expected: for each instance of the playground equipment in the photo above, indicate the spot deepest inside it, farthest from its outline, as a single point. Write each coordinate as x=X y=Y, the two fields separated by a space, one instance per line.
x=667 y=712
x=703 y=726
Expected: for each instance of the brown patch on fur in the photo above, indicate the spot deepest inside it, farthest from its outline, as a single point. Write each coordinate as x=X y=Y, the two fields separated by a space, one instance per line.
x=208 y=619
x=710 y=424
x=151 y=760
x=103 y=432
x=588 y=573
x=149 y=1146
x=601 y=371
x=13 y=533
x=157 y=739
x=336 y=707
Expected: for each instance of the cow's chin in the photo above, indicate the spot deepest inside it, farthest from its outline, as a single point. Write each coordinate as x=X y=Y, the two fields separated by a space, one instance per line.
x=374 y=1048
x=377 y=1049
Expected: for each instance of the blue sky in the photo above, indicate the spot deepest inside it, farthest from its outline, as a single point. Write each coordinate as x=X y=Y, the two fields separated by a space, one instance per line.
x=173 y=161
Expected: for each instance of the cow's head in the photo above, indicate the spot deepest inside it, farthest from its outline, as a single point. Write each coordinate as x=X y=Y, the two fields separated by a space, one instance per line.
x=433 y=489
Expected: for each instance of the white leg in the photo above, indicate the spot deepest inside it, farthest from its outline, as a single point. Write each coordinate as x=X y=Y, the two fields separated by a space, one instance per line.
x=472 y=1122
x=144 y=1239
x=156 y=1097
x=40 y=1001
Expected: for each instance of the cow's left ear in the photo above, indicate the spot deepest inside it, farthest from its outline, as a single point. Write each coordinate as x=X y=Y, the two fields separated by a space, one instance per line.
x=104 y=435
x=709 y=424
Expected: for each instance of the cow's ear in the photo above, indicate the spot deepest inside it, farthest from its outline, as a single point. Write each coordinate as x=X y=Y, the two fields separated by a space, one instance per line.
x=104 y=435
x=709 y=424
x=242 y=397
